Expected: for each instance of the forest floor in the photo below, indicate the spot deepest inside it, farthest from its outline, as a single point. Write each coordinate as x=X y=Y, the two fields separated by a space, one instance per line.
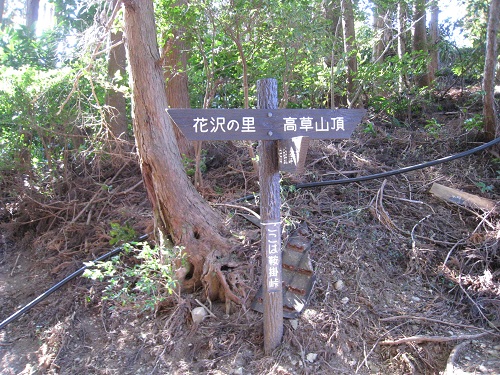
x=406 y=283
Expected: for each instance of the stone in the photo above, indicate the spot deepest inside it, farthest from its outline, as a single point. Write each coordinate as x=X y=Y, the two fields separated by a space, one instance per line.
x=198 y=314
x=339 y=285
x=311 y=357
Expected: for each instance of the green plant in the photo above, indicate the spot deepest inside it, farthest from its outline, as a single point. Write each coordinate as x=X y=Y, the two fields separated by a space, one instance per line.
x=121 y=233
x=190 y=164
x=143 y=285
x=476 y=122
x=433 y=127
x=369 y=128
x=484 y=188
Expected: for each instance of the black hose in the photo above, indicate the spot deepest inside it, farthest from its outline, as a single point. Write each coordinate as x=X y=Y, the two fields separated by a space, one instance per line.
x=388 y=173
x=41 y=297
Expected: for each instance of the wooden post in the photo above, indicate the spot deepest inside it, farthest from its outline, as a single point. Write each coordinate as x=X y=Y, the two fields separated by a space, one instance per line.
x=270 y=202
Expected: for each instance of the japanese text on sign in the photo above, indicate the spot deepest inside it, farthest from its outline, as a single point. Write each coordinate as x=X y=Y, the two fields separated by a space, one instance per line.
x=247 y=124
x=273 y=256
x=263 y=124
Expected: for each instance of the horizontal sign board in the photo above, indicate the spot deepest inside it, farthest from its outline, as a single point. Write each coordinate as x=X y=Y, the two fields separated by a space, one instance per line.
x=265 y=124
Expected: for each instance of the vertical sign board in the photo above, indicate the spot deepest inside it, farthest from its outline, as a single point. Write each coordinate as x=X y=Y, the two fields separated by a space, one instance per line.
x=283 y=136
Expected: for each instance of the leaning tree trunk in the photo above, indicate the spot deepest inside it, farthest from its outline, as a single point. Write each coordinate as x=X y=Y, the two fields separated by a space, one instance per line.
x=181 y=214
x=491 y=58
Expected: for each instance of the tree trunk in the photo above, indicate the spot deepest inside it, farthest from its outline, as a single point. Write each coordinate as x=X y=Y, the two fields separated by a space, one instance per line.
x=2 y=9
x=174 y=58
x=349 y=48
x=32 y=13
x=380 y=32
x=491 y=58
x=401 y=40
x=434 y=40
x=420 y=39
x=180 y=212
x=116 y=115
x=331 y=11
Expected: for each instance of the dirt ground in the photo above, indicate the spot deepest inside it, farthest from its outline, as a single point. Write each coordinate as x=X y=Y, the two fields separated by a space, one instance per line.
x=406 y=282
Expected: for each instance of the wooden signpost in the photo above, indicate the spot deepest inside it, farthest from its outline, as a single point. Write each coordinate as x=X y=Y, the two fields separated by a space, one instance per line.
x=283 y=136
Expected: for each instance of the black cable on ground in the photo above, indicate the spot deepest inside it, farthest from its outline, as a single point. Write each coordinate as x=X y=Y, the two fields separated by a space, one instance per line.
x=388 y=173
x=41 y=297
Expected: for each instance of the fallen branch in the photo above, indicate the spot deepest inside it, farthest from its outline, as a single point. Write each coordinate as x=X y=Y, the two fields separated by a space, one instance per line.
x=462 y=198
x=420 y=339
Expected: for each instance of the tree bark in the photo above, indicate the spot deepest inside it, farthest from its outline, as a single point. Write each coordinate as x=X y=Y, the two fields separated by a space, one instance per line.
x=180 y=213
x=434 y=40
x=349 y=48
x=491 y=58
x=420 y=39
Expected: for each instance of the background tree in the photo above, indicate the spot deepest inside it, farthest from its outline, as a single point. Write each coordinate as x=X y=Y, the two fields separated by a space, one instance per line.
x=401 y=27
x=433 y=41
x=382 y=30
x=2 y=9
x=491 y=59
x=419 y=43
x=349 y=48
x=32 y=7
x=174 y=57
x=116 y=114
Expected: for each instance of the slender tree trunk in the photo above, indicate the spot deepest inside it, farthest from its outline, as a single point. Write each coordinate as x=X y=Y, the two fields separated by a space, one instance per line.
x=434 y=40
x=491 y=59
x=401 y=40
x=349 y=48
x=420 y=39
x=180 y=212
